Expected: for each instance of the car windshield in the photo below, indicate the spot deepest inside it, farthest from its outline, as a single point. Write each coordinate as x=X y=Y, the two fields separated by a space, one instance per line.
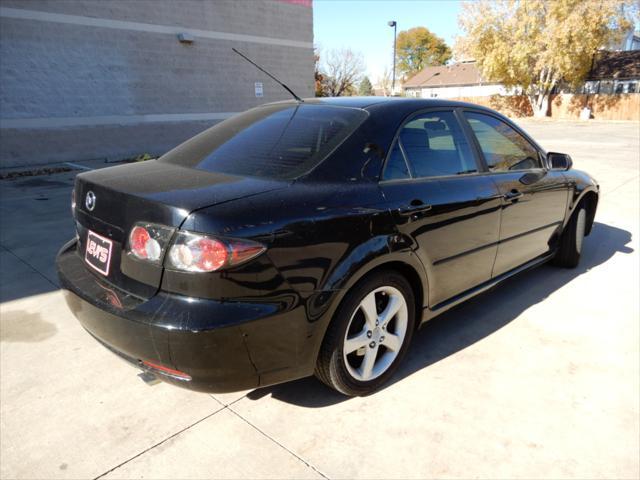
x=280 y=141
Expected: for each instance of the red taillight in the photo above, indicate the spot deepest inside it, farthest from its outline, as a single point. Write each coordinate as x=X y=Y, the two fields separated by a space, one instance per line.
x=192 y=252
x=189 y=251
x=241 y=251
x=213 y=254
x=138 y=241
x=166 y=370
x=147 y=241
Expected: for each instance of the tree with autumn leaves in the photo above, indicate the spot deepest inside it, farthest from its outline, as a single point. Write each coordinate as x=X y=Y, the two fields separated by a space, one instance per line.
x=418 y=48
x=535 y=45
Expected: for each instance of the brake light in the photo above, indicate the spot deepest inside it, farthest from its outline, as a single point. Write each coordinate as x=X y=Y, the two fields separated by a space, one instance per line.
x=193 y=252
x=148 y=241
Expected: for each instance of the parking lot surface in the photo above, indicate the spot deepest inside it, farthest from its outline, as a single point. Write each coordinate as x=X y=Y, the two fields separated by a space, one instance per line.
x=537 y=379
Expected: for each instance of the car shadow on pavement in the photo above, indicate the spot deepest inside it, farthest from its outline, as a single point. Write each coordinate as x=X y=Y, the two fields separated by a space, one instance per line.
x=471 y=321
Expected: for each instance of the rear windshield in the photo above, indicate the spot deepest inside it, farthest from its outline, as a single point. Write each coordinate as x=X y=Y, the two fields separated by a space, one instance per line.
x=279 y=141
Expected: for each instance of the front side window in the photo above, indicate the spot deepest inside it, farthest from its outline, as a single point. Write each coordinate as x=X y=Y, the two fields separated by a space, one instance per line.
x=434 y=145
x=504 y=149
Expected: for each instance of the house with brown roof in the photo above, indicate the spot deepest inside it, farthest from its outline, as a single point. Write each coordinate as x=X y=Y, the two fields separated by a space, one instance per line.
x=615 y=72
x=451 y=81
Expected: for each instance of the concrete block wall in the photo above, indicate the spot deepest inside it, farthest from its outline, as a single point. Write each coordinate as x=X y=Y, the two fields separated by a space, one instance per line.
x=88 y=79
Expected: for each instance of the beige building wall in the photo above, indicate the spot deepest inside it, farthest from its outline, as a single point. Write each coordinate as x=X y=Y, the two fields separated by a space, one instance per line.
x=87 y=79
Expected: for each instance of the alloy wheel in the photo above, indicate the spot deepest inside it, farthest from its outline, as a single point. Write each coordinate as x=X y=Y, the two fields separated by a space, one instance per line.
x=375 y=333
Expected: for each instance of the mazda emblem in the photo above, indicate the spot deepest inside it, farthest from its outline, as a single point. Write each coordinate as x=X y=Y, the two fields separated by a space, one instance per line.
x=90 y=201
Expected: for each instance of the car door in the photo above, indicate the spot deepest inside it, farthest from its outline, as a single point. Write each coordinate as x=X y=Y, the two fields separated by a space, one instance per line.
x=534 y=198
x=442 y=203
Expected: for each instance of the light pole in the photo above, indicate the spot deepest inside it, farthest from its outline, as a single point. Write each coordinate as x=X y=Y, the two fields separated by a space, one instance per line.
x=392 y=23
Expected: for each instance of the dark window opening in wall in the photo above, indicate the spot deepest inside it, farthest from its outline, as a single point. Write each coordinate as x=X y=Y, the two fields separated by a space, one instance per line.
x=606 y=86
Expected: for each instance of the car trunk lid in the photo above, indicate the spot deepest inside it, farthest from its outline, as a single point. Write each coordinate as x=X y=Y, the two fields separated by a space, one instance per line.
x=110 y=201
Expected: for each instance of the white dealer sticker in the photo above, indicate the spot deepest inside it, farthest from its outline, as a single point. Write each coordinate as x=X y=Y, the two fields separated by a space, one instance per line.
x=98 y=252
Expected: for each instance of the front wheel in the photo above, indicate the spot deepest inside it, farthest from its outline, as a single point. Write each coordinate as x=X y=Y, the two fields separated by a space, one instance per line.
x=571 y=241
x=369 y=335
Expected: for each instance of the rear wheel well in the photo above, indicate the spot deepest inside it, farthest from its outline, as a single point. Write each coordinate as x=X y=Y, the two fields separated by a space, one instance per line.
x=404 y=269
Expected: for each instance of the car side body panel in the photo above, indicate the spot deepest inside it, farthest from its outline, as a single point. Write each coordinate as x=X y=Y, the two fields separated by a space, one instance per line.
x=457 y=236
x=531 y=225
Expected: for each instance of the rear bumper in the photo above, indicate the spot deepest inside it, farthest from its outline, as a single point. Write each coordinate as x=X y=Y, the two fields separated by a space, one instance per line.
x=221 y=346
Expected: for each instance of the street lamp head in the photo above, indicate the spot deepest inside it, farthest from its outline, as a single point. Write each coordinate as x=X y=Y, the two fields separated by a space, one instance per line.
x=391 y=23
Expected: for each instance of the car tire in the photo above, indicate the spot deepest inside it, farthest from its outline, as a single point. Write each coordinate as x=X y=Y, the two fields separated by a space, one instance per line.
x=362 y=349
x=572 y=240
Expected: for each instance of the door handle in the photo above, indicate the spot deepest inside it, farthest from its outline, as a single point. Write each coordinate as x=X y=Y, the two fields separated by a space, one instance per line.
x=513 y=196
x=416 y=206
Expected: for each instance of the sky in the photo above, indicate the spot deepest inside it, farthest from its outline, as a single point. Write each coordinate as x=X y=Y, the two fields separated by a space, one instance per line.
x=362 y=26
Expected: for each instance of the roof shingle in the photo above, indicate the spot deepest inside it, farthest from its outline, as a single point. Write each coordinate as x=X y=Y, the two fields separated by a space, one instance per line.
x=456 y=74
x=616 y=65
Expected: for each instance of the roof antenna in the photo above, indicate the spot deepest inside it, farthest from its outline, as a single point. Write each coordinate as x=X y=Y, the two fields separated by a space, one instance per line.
x=263 y=70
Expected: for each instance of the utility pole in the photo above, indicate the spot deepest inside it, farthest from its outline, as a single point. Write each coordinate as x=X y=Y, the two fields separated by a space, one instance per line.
x=394 y=24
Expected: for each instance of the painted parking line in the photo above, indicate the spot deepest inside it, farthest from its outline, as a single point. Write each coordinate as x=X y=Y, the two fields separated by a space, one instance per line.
x=76 y=165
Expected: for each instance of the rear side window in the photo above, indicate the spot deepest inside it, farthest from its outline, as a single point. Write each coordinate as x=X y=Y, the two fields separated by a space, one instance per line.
x=504 y=149
x=434 y=145
x=396 y=167
x=280 y=141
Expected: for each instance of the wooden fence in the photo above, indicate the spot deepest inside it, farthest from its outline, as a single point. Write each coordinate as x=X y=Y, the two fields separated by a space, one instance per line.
x=567 y=106
x=603 y=107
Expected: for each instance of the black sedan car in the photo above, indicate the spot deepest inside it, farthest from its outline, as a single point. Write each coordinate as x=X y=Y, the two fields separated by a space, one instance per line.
x=314 y=237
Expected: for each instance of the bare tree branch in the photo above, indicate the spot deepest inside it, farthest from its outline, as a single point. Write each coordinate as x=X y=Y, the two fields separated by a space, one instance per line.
x=341 y=71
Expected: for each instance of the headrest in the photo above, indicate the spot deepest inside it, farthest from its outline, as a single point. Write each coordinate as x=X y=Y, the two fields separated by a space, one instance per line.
x=435 y=126
x=414 y=137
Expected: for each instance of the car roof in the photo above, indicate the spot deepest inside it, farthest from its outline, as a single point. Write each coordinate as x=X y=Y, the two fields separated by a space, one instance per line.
x=365 y=102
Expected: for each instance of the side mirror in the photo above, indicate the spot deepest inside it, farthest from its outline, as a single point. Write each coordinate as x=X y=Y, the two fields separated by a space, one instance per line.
x=559 y=161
